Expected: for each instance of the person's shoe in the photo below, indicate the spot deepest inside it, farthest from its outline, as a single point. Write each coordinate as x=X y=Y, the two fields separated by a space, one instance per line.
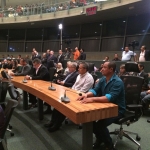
x=148 y=120
x=47 y=111
x=48 y=125
x=53 y=128
x=97 y=144
x=110 y=147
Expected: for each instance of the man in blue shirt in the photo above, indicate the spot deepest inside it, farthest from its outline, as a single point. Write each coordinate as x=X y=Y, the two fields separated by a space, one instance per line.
x=110 y=89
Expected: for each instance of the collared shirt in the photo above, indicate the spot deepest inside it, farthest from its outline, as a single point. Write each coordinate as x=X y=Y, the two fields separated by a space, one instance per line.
x=38 y=69
x=142 y=56
x=83 y=82
x=126 y=56
x=113 y=90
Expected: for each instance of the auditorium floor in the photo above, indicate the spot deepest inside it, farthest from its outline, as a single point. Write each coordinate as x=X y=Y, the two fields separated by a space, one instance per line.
x=30 y=134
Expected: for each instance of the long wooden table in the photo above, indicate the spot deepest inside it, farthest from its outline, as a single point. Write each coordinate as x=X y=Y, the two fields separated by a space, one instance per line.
x=75 y=111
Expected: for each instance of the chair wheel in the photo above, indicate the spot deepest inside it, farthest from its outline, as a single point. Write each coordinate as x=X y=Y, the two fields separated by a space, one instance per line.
x=11 y=134
x=138 y=139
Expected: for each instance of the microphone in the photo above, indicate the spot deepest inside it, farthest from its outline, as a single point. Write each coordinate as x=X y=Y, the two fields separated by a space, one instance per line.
x=24 y=80
x=66 y=99
x=51 y=87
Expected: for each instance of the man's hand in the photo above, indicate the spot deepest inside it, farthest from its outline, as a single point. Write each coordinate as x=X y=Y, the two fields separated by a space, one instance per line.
x=81 y=97
x=87 y=100
x=27 y=77
x=11 y=73
x=148 y=92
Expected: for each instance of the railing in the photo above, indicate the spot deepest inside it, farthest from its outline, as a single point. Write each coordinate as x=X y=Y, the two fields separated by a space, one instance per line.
x=44 y=8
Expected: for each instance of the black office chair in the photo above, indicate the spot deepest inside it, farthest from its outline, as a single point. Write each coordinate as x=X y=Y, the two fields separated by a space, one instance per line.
x=13 y=92
x=133 y=87
x=11 y=105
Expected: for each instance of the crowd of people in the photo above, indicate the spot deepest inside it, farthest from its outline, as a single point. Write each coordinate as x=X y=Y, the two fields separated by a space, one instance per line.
x=75 y=75
x=33 y=9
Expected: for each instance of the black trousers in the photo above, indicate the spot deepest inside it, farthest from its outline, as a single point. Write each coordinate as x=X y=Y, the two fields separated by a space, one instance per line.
x=57 y=117
x=32 y=99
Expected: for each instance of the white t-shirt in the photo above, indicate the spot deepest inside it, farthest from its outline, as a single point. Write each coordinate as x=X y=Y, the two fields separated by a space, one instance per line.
x=126 y=56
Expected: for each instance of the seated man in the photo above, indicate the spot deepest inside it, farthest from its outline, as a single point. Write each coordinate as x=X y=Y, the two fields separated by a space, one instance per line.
x=110 y=89
x=145 y=99
x=83 y=83
x=68 y=81
x=39 y=72
x=25 y=68
x=144 y=75
x=71 y=76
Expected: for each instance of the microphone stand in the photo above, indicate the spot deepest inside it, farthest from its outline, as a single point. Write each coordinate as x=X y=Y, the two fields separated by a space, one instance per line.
x=51 y=87
x=66 y=99
x=24 y=80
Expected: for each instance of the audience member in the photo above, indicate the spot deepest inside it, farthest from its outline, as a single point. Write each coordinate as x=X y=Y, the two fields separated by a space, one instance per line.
x=142 y=54
x=67 y=54
x=51 y=58
x=82 y=54
x=147 y=53
x=144 y=75
x=76 y=54
x=39 y=72
x=106 y=58
x=127 y=54
x=71 y=75
x=66 y=71
x=109 y=89
x=44 y=60
x=83 y=83
x=25 y=70
x=60 y=58
x=122 y=71
x=116 y=58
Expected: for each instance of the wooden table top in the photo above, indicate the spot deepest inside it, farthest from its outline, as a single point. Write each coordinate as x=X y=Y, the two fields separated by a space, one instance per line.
x=75 y=111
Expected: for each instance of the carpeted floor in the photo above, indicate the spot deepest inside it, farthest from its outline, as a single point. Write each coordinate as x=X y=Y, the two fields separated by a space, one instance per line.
x=30 y=134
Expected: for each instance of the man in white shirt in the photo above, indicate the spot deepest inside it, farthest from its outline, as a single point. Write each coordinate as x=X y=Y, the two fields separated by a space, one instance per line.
x=84 y=83
x=142 y=54
x=127 y=55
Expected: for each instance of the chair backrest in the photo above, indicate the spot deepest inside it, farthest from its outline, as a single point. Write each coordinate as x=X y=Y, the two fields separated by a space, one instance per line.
x=14 y=93
x=132 y=67
x=91 y=67
x=133 y=88
x=11 y=105
x=52 y=71
x=3 y=90
x=95 y=78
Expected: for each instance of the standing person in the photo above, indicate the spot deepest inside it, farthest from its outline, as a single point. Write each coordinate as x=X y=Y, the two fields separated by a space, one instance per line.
x=44 y=60
x=110 y=89
x=51 y=58
x=142 y=54
x=127 y=54
x=60 y=58
x=106 y=58
x=76 y=54
x=39 y=72
x=67 y=54
x=147 y=53
x=82 y=54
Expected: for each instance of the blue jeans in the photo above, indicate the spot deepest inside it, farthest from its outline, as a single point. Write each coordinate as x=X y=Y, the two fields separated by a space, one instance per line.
x=101 y=131
x=145 y=97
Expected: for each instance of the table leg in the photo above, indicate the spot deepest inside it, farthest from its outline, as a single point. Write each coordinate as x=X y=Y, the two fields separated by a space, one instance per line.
x=40 y=109
x=25 y=100
x=87 y=136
